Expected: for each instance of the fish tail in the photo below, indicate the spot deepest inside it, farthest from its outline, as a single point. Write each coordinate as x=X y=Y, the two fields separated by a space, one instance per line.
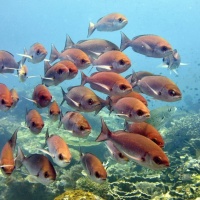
x=68 y=43
x=47 y=135
x=109 y=104
x=105 y=132
x=54 y=54
x=60 y=122
x=13 y=139
x=23 y=60
x=63 y=93
x=83 y=78
x=103 y=104
x=19 y=159
x=124 y=42
x=91 y=29
x=47 y=66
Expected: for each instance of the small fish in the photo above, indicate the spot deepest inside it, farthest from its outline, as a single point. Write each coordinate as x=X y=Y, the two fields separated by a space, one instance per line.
x=133 y=94
x=136 y=147
x=22 y=73
x=160 y=116
x=159 y=87
x=38 y=166
x=15 y=97
x=59 y=72
x=7 y=62
x=148 y=45
x=7 y=161
x=108 y=23
x=146 y=130
x=114 y=61
x=34 y=121
x=83 y=99
x=77 y=56
x=54 y=111
x=92 y=47
x=93 y=167
x=58 y=150
x=41 y=96
x=109 y=83
x=131 y=109
x=173 y=61
x=76 y=123
x=35 y=54
x=115 y=153
x=6 y=100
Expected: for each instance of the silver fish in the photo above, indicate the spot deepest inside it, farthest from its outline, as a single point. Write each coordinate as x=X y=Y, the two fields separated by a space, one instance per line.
x=108 y=23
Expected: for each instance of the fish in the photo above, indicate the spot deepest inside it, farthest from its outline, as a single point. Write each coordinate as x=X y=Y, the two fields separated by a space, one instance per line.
x=93 y=167
x=115 y=153
x=134 y=94
x=76 y=123
x=6 y=100
x=41 y=96
x=7 y=160
x=115 y=61
x=136 y=147
x=148 y=45
x=77 y=56
x=39 y=167
x=7 y=62
x=130 y=109
x=22 y=73
x=58 y=150
x=109 y=83
x=59 y=72
x=146 y=130
x=173 y=61
x=159 y=87
x=108 y=23
x=35 y=54
x=160 y=116
x=92 y=47
x=54 y=111
x=83 y=99
x=34 y=121
x=15 y=97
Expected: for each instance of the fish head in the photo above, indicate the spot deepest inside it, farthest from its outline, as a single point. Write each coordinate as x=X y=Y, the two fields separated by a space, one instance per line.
x=82 y=61
x=121 y=88
x=90 y=102
x=44 y=99
x=99 y=175
x=170 y=93
x=54 y=114
x=62 y=158
x=162 y=50
x=157 y=162
x=46 y=176
x=119 y=21
x=36 y=126
x=38 y=53
x=82 y=129
x=6 y=102
x=8 y=169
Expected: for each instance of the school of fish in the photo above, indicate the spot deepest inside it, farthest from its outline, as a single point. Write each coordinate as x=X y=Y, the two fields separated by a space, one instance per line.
x=138 y=140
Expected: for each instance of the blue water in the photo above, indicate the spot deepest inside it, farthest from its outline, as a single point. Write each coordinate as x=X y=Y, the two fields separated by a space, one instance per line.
x=22 y=23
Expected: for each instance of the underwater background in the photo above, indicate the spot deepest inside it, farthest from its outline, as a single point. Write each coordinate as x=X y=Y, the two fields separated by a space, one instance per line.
x=23 y=23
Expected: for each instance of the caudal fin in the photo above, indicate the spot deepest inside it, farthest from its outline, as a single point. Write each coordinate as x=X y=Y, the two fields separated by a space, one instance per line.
x=125 y=42
x=91 y=29
x=83 y=79
x=54 y=54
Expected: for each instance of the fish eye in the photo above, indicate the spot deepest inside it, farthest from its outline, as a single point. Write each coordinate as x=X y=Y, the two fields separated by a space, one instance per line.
x=25 y=74
x=50 y=112
x=42 y=97
x=154 y=140
x=59 y=112
x=60 y=71
x=157 y=160
x=38 y=52
x=33 y=124
x=60 y=156
x=121 y=62
x=90 y=101
x=122 y=87
x=46 y=174
x=140 y=112
x=83 y=61
x=81 y=128
x=3 y=101
x=172 y=93
x=42 y=125
x=97 y=174
x=164 y=48
x=120 y=19
x=120 y=155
